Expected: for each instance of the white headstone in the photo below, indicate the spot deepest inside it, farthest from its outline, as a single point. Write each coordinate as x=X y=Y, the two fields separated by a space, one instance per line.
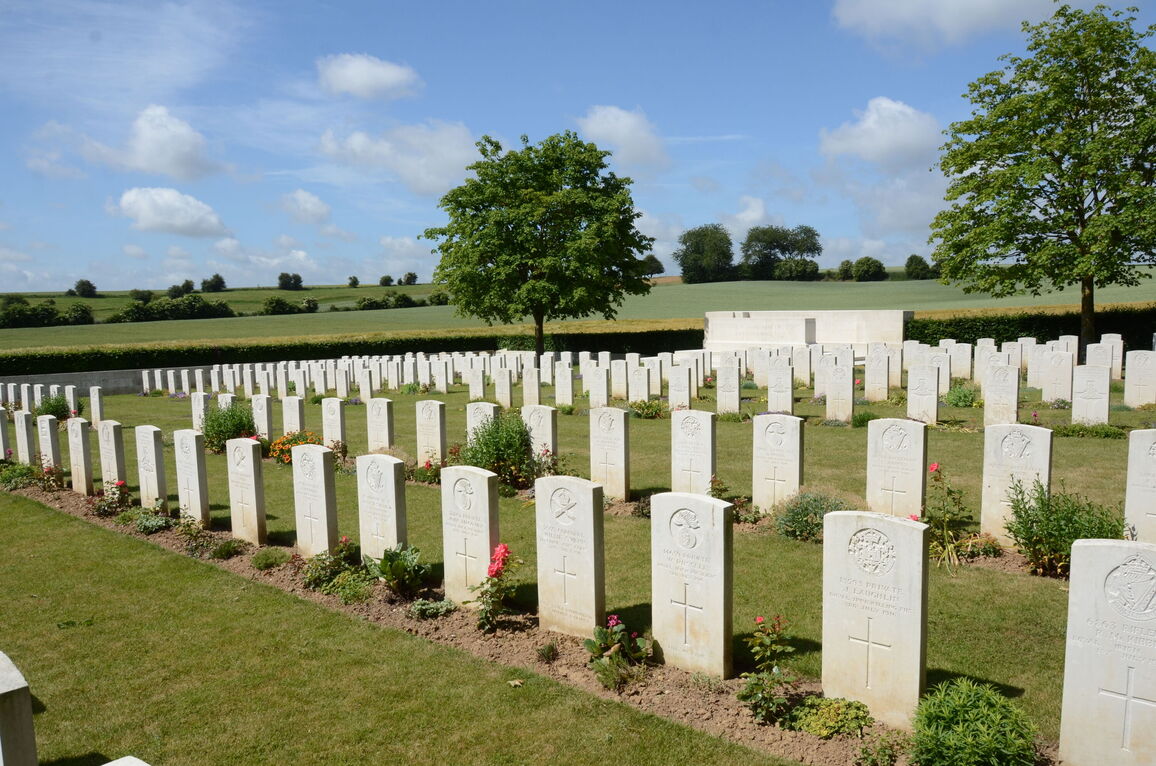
x=691 y=581
x=679 y=387
x=542 y=422
x=571 y=573
x=1140 y=494
x=923 y=393
x=292 y=414
x=777 y=458
x=727 y=389
x=17 y=734
x=781 y=389
x=333 y=421
x=431 y=431
x=1108 y=715
x=596 y=385
x=379 y=424
x=1090 y=386
x=618 y=387
x=192 y=477
x=263 y=415
x=48 y=434
x=896 y=466
x=150 y=460
x=840 y=393
x=692 y=451
x=111 y=444
x=610 y=451
x=563 y=384
x=95 y=404
x=875 y=376
x=1011 y=453
x=381 y=503
x=469 y=527
x=25 y=427
x=246 y=490
x=638 y=384
x=875 y=612
x=531 y=386
x=79 y=455
x=1001 y=395
x=314 y=499
x=478 y=413
x=199 y=403
x=1056 y=377
x=1140 y=378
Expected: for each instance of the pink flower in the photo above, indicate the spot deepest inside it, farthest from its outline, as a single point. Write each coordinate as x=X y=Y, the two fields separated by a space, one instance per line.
x=759 y=620
x=613 y=621
x=858 y=381
x=498 y=560
x=933 y=468
x=634 y=635
x=120 y=483
x=914 y=517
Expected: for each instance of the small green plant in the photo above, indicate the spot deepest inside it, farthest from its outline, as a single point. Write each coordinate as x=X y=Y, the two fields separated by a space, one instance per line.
x=548 y=652
x=768 y=691
x=316 y=398
x=269 y=558
x=324 y=568
x=744 y=511
x=564 y=409
x=897 y=397
x=57 y=406
x=733 y=417
x=962 y=395
x=640 y=507
x=614 y=672
x=495 y=590
x=883 y=750
x=401 y=569
x=980 y=545
x=706 y=683
x=1057 y=404
x=616 y=640
x=652 y=409
x=227 y=549
x=424 y=609
x=352 y=586
x=50 y=478
x=801 y=517
x=414 y=388
x=428 y=472
x=963 y=722
x=198 y=540
x=947 y=515
x=1044 y=525
x=149 y=521
x=232 y=422
x=861 y=418
x=18 y=475
x=770 y=643
x=503 y=445
x=1083 y=431
x=826 y=717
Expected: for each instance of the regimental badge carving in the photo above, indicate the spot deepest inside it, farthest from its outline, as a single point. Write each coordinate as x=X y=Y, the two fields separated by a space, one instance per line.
x=684 y=525
x=1131 y=589
x=536 y=417
x=690 y=426
x=923 y=386
x=186 y=444
x=780 y=384
x=374 y=476
x=146 y=462
x=333 y=409
x=895 y=439
x=872 y=551
x=1000 y=375
x=1152 y=451
x=463 y=494
x=378 y=409
x=606 y=422
x=427 y=411
x=562 y=504
x=1016 y=445
x=308 y=465
x=774 y=435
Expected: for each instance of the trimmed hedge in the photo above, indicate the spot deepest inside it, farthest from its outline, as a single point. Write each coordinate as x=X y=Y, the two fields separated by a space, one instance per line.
x=1135 y=324
x=200 y=354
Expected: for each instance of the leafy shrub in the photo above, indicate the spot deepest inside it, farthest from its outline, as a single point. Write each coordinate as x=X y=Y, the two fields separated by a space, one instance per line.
x=613 y=672
x=269 y=558
x=547 y=652
x=868 y=269
x=84 y=288
x=1044 y=525
x=50 y=478
x=947 y=516
x=18 y=475
x=884 y=750
x=801 y=517
x=826 y=717
x=227 y=549
x=797 y=270
x=862 y=418
x=57 y=406
x=110 y=501
x=768 y=693
x=281 y=450
x=424 y=609
x=654 y=409
x=918 y=268
x=502 y=444
x=1083 y=431
x=352 y=586
x=1057 y=404
x=179 y=307
x=962 y=395
x=401 y=569
x=496 y=589
x=324 y=568
x=963 y=722
x=616 y=639
x=428 y=472
x=232 y=422
x=147 y=521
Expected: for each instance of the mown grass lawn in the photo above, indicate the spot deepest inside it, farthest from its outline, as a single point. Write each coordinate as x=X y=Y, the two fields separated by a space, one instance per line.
x=1003 y=628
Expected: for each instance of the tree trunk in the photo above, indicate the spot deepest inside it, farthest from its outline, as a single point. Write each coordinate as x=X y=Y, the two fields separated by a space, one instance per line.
x=1087 y=315
x=539 y=333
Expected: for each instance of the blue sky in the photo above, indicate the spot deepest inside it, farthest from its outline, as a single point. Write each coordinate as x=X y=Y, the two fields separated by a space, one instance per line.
x=147 y=143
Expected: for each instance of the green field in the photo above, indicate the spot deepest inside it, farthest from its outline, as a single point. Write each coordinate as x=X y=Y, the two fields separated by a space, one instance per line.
x=665 y=302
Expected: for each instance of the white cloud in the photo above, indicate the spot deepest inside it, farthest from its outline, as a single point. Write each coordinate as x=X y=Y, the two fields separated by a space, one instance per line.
x=928 y=22
x=305 y=207
x=336 y=232
x=47 y=162
x=295 y=258
x=159 y=143
x=428 y=158
x=366 y=76
x=404 y=254
x=8 y=255
x=285 y=242
x=888 y=133
x=630 y=135
x=752 y=212
x=167 y=210
x=135 y=251
x=177 y=253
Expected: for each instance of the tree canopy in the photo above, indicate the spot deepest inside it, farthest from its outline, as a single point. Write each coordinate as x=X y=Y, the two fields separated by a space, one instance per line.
x=545 y=231
x=1051 y=179
x=705 y=254
x=766 y=246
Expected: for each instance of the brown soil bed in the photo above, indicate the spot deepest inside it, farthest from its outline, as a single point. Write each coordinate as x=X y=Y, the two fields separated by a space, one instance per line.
x=709 y=705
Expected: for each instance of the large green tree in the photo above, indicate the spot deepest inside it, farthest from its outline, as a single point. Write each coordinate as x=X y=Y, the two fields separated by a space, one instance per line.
x=1051 y=178
x=705 y=254
x=766 y=246
x=546 y=231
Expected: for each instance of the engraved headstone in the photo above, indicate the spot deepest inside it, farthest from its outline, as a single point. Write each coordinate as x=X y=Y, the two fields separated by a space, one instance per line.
x=379 y=424
x=542 y=422
x=292 y=414
x=503 y=383
x=618 y=387
x=1001 y=394
x=1090 y=385
x=111 y=447
x=1011 y=453
x=478 y=413
x=691 y=581
x=778 y=460
x=431 y=431
x=150 y=460
x=263 y=415
x=381 y=503
x=24 y=425
x=192 y=477
x=679 y=387
x=596 y=385
x=638 y=384
x=469 y=527
x=610 y=451
x=923 y=393
x=17 y=734
x=95 y=404
x=4 y=448
x=875 y=376
x=896 y=466
x=199 y=404
x=48 y=435
x=840 y=393
x=571 y=573
x=1139 y=378
x=563 y=384
x=1108 y=715
x=246 y=490
x=875 y=612
x=727 y=389
x=314 y=499
x=1140 y=495
x=692 y=451
x=1056 y=380
x=333 y=420
x=531 y=387
x=79 y=455
x=476 y=379
x=781 y=389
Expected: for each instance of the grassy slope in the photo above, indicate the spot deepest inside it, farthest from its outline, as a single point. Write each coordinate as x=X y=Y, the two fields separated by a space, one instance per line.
x=1007 y=629
x=665 y=302
x=187 y=664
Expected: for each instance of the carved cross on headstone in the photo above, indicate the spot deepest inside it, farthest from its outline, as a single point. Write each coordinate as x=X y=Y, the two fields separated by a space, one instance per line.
x=686 y=607
x=566 y=575
x=312 y=518
x=891 y=493
x=1128 y=696
x=466 y=558
x=867 y=642
x=775 y=482
x=691 y=471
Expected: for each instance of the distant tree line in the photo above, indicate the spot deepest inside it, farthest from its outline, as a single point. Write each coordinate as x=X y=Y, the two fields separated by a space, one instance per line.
x=16 y=311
